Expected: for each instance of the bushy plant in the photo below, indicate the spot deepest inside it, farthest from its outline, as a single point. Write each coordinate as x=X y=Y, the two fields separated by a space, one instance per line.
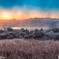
x=55 y=30
x=9 y=29
x=1 y=31
x=37 y=33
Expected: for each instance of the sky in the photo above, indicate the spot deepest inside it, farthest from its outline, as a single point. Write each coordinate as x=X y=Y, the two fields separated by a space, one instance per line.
x=24 y=9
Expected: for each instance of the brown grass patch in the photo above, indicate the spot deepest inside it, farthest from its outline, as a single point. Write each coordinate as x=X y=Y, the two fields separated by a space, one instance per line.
x=29 y=49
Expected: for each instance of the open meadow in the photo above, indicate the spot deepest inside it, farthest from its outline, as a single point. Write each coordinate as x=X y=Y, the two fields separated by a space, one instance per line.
x=29 y=49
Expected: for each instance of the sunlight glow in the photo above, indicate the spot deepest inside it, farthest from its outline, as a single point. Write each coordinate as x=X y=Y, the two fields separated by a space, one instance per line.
x=6 y=16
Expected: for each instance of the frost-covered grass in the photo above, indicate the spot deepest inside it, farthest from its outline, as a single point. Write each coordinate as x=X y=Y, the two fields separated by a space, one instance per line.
x=29 y=49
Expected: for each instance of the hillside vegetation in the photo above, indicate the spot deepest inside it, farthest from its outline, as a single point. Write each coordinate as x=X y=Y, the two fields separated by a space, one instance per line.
x=10 y=33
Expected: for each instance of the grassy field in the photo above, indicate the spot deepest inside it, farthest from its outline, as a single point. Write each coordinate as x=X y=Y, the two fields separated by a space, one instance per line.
x=29 y=49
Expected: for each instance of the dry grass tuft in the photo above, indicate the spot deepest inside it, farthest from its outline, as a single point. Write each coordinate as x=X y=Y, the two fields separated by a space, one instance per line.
x=29 y=49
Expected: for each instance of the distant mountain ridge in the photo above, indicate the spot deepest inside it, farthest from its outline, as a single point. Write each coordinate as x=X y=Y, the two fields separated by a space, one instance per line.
x=32 y=22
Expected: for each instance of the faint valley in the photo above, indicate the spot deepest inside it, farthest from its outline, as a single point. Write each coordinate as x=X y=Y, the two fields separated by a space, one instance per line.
x=32 y=22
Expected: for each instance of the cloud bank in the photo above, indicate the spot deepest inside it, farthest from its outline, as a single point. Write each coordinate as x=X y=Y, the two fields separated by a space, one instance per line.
x=26 y=12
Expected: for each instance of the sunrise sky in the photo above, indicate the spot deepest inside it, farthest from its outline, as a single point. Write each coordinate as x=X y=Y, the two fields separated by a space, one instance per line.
x=24 y=9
